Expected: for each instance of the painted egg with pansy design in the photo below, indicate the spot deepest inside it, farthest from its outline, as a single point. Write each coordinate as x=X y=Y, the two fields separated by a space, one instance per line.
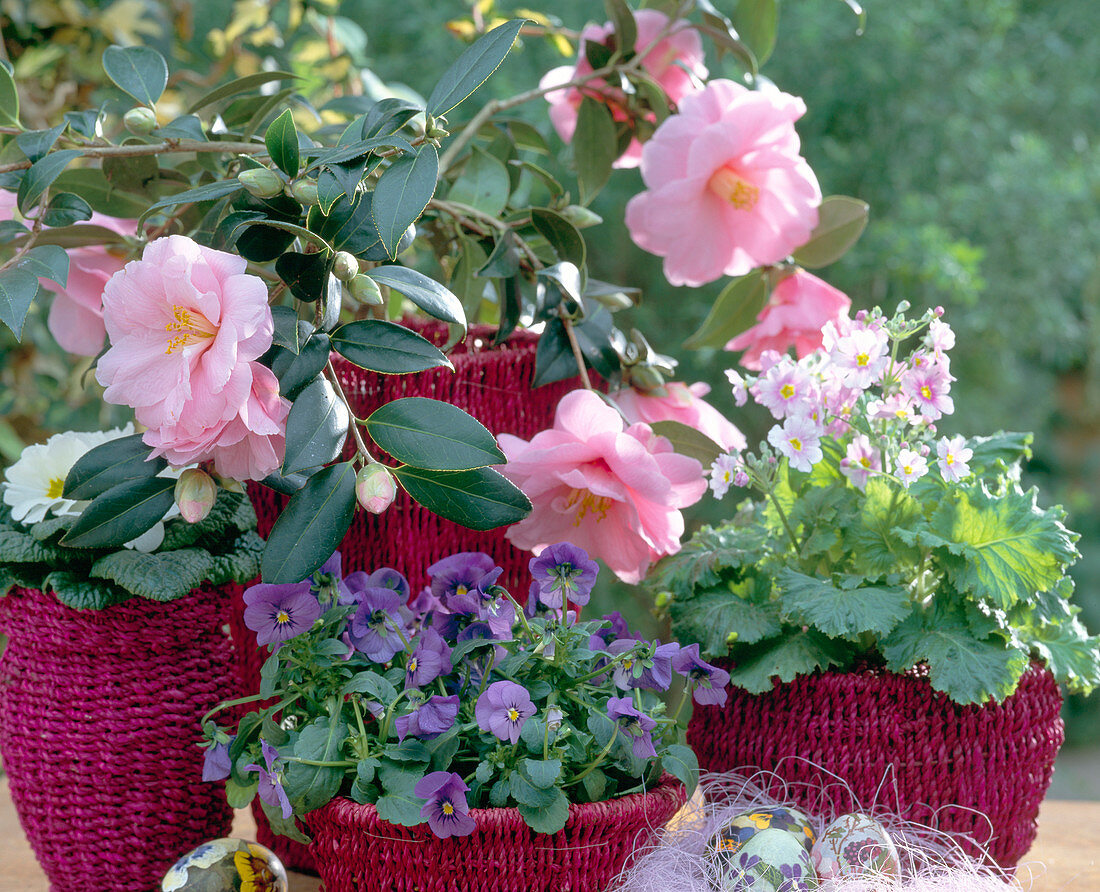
x=852 y=845
x=770 y=860
x=741 y=828
x=227 y=865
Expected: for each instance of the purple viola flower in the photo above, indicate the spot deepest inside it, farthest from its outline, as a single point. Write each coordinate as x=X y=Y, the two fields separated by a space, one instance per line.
x=271 y=788
x=457 y=574
x=564 y=573
x=707 y=682
x=328 y=582
x=503 y=708
x=376 y=627
x=635 y=724
x=447 y=811
x=652 y=671
x=618 y=629
x=430 y=658
x=277 y=613
x=215 y=761
x=426 y=602
x=430 y=719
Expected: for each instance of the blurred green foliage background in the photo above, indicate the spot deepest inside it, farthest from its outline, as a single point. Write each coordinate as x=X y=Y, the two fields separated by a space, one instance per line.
x=970 y=128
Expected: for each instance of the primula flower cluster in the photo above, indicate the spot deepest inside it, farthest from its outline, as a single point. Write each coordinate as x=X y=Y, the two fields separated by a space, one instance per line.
x=854 y=389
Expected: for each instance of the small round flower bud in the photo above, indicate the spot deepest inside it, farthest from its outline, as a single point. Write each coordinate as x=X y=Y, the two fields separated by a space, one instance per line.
x=664 y=599
x=646 y=378
x=554 y=718
x=375 y=488
x=344 y=266
x=903 y=306
x=365 y=290
x=581 y=217
x=261 y=182
x=195 y=494
x=437 y=132
x=731 y=638
x=303 y=192
x=141 y=120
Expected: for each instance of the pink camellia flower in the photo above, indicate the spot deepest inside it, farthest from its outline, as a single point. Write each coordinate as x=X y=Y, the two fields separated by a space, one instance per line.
x=615 y=491
x=684 y=404
x=76 y=315
x=726 y=190
x=675 y=63
x=799 y=307
x=186 y=326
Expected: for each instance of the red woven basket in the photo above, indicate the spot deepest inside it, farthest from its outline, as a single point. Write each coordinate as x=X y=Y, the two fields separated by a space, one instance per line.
x=356 y=851
x=492 y=383
x=978 y=772
x=99 y=717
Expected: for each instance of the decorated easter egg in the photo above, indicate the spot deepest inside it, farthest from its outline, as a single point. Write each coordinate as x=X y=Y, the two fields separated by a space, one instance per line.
x=770 y=860
x=852 y=845
x=743 y=827
x=227 y=865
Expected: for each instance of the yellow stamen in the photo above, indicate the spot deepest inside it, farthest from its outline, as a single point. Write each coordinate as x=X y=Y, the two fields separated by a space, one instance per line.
x=796 y=444
x=907 y=470
x=57 y=484
x=413 y=664
x=739 y=192
x=448 y=809
x=786 y=391
x=460 y=589
x=186 y=328
x=865 y=461
x=587 y=501
x=950 y=460
x=862 y=359
x=926 y=392
x=513 y=715
x=282 y=617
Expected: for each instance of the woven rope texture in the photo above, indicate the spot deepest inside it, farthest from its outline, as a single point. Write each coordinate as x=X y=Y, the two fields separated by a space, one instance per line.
x=359 y=852
x=975 y=771
x=99 y=717
x=492 y=383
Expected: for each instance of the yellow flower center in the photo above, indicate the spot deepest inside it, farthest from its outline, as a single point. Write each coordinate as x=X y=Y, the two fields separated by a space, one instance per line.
x=413 y=664
x=186 y=328
x=282 y=617
x=907 y=470
x=587 y=502
x=926 y=392
x=448 y=809
x=727 y=476
x=796 y=444
x=57 y=484
x=950 y=460
x=862 y=359
x=460 y=589
x=739 y=192
x=865 y=461
x=901 y=413
x=513 y=714
x=786 y=391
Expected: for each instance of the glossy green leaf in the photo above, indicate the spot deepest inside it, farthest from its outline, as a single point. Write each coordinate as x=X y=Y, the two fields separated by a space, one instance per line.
x=48 y=262
x=281 y=140
x=36 y=143
x=625 y=28
x=503 y=263
x=688 y=441
x=840 y=222
x=481 y=499
x=17 y=290
x=349 y=226
x=91 y=185
x=595 y=147
x=136 y=174
x=41 y=176
x=387 y=347
x=402 y=193
x=240 y=85
x=315 y=428
x=484 y=184
x=734 y=310
x=757 y=21
x=433 y=298
x=359 y=149
x=9 y=99
x=286 y=331
x=122 y=513
x=311 y=526
x=209 y=192
x=305 y=274
x=564 y=237
x=680 y=761
x=65 y=209
x=183 y=127
x=473 y=67
x=137 y=70
x=295 y=372
x=109 y=464
x=726 y=39
x=431 y=434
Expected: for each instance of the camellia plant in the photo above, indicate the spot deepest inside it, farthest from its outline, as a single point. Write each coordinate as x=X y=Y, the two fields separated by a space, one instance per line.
x=455 y=700
x=876 y=540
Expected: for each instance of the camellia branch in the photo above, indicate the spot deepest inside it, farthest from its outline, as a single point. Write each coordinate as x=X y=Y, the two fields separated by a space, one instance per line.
x=166 y=147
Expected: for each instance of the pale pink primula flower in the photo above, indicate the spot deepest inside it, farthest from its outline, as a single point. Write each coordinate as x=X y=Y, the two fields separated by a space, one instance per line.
x=683 y=404
x=797 y=311
x=723 y=473
x=799 y=439
x=952 y=458
x=614 y=490
x=860 y=461
x=861 y=357
x=726 y=188
x=786 y=389
x=910 y=466
x=675 y=63
x=928 y=388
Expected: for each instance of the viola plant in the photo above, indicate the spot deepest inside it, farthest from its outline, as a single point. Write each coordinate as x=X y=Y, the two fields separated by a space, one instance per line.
x=876 y=539
x=456 y=700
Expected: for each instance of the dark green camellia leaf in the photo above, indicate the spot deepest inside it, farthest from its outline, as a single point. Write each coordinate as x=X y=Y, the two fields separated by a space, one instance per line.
x=311 y=526
x=387 y=347
x=281 y=140
x=481 y=499
x=433 y=298
x=260 y=243
x=387 y=116
x=840 y=222
x=484 y=184
x=209 y=192
x=295 y=372
x=554 y=360
x=134 y=174
x=41 y=176
x=734 y=310
x=11 y=230
x=402 y=193
x=511 y=305
x=65 y=209
x=137 y=70
x=9 y=98
x=17 y=289
x=36 y=143
x=564 y=237
x=503 y=263
x=122 y=513
x=431 y=434
x=626 y=29
x=315 y=428
x=183 y=127
x=594 y=147
x=48 y=262
x=305 y=274
x=356 y=151
x=286 y=329
x=110 y=464
x=690 y=442
x=349 y=226
x=240 y=85
x=473 y=67
x=756 y=22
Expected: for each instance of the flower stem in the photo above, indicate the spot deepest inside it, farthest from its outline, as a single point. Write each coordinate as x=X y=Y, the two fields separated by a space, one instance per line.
x=591 y=766
x=167 y=147
x=786 y=523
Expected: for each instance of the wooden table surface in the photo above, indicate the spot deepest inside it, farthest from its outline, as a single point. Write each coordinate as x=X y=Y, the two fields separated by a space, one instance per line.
x=1065 y=858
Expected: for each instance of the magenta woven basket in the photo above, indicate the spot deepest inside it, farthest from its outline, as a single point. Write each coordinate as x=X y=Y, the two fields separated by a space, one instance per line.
x=356 y=851
x=492 y=383
x=978 y=772
x=99 y=720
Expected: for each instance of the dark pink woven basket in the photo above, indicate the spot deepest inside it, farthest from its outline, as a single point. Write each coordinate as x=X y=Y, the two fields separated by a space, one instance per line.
x=492 y=383
x=977 y=772
x=356 y=851
x=99 y=720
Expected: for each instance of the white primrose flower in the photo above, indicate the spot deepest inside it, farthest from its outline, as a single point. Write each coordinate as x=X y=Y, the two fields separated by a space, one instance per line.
x=723 y=472
x=952 y=459
x=799 y=439
x=911 y=465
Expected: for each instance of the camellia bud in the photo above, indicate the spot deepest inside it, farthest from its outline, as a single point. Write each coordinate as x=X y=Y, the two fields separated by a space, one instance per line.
x=140 y=120
x=375 y=488
x=646 y=378
x=365 y=290
x=663 y=599
x=303 y=192
x=581 y=217
x=731 y=638
x=195 y=494
x=261 y=182
x=344 y=266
